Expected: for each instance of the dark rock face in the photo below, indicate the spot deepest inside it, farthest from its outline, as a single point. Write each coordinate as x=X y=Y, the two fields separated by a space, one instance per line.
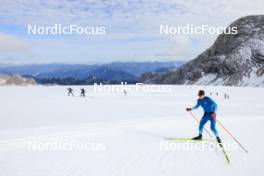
x=233 y=59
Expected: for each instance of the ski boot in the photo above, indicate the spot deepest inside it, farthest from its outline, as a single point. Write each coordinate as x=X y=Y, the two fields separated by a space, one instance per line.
x=199 y=137
x=219 y=141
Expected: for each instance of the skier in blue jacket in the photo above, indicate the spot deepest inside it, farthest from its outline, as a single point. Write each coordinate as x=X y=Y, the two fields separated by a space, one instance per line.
x=210 y=108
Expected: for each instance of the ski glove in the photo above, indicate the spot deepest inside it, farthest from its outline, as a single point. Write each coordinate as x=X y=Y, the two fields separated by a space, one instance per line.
x=213 y=115
x=188 y=109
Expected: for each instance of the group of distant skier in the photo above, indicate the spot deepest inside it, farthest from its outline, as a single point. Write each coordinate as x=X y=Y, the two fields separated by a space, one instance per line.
x=226 y=96
x=82 y=90
x=70 y=92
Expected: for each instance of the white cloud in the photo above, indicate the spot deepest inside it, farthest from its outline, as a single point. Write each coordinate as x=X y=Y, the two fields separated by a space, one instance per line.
x=128 y=15
x=179 y=46
x=186 y=47
x=128 y=19
x=143 y=13
x=10 y=43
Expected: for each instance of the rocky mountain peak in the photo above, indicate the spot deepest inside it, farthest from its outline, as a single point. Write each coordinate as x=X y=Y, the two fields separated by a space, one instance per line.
x=233 y=59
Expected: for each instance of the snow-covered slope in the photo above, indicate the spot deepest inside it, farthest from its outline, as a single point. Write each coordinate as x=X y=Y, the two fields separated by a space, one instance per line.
x=130 y=130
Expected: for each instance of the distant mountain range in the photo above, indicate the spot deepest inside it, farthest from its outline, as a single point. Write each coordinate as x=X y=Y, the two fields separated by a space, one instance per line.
x=233 y=60
x=116 y=71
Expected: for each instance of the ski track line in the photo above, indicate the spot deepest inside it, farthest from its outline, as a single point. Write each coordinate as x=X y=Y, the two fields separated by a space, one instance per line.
x=153 y=157
x=150 y=154
x=166 y=158
x=8 y=144
x=129 y=167
x=76 y=133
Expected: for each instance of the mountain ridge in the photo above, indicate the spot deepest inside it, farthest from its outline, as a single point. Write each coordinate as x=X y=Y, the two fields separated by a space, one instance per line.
x=80 y=73
x=232 y=60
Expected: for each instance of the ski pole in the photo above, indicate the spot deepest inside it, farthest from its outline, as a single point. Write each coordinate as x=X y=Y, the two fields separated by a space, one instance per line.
x=232 y=136
x=198 y=122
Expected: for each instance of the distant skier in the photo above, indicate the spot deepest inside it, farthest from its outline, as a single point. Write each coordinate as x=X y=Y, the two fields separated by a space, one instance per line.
x=70 y=92
x=226 y=96
x=209 y=107
x=82 y=92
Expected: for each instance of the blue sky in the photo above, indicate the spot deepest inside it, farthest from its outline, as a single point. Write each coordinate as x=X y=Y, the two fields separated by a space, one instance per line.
x=132 y=29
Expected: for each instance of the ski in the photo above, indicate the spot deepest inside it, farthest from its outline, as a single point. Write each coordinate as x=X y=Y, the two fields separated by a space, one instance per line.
x=224 y=152
x=209 y=140
x=188 y=139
